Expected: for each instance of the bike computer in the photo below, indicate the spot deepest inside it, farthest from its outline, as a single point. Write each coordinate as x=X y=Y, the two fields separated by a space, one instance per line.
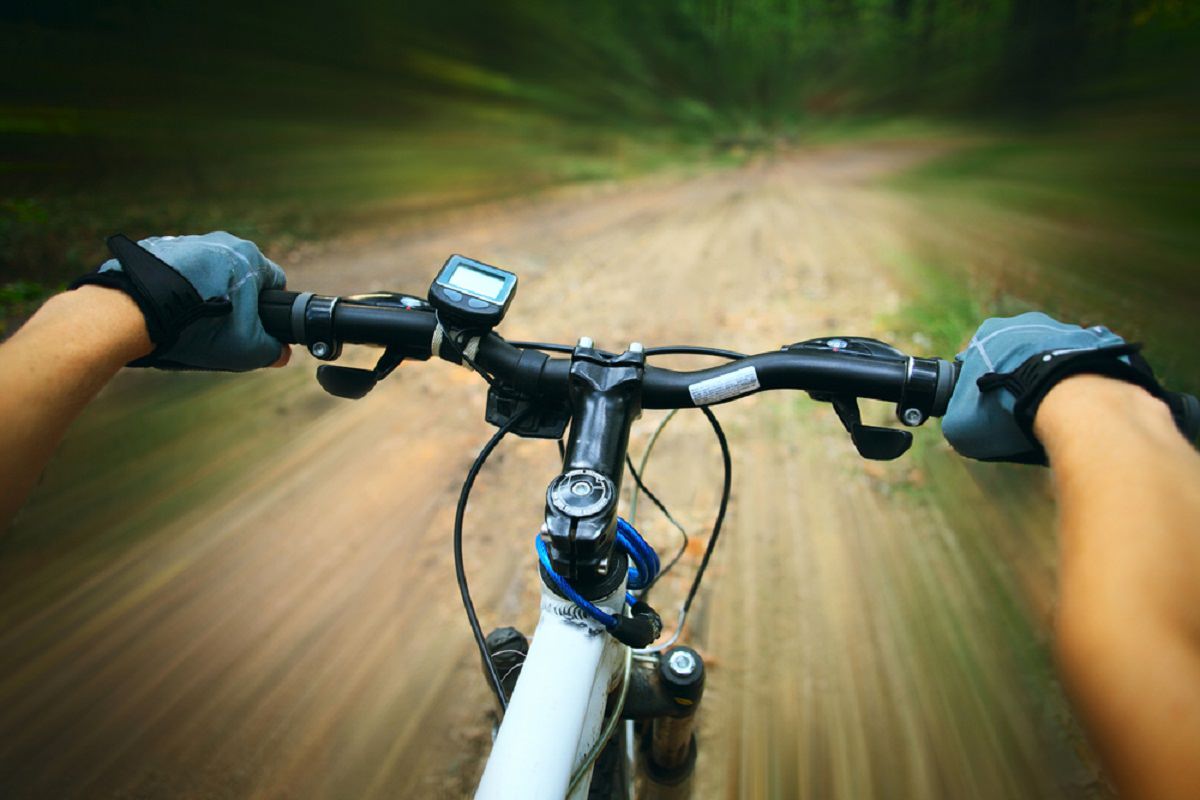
x=471 y=294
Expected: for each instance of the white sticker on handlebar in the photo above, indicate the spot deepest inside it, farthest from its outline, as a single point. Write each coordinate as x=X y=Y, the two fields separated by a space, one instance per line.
x=723 y=387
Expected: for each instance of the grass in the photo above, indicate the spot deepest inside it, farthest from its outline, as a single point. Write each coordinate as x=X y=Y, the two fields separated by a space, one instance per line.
x=278 y=182
x=1085 y=224
x=78 y=174
x=277 y=179
x=1094 y=224
x=1091 y=223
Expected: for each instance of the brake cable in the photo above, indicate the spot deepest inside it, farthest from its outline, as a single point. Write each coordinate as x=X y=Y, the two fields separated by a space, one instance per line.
x=712 y=539
x=691 y=350
x=641 y=486
x=658 y=429
x=725 y=492
x=727 y=459
x=460 y=571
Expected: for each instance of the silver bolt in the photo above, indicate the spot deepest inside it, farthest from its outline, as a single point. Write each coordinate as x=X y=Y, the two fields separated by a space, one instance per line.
x=836 y=344
x=681 y=662
x=913 y=416
x=581 y=488
x=602 y=567
x=637 y=347
x=320 y=349
x=586 y=342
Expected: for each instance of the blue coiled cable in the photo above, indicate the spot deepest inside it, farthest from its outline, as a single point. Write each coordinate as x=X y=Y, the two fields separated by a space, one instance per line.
x=643 y=569
x=644 y=564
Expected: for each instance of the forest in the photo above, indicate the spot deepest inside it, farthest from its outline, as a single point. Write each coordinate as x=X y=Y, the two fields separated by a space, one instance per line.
x=295 y=120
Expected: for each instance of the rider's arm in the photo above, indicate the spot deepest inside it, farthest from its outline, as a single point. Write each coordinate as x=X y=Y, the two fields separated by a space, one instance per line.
x=52 y=367
x=179 y=302
x=1033 y=389
x=1128 y=637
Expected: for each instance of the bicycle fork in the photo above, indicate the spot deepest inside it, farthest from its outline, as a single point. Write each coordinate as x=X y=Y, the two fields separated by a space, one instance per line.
x=664 y=695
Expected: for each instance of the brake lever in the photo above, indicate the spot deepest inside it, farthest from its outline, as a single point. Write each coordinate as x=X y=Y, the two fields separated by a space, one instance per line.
x=352 y=383
x=875 y=443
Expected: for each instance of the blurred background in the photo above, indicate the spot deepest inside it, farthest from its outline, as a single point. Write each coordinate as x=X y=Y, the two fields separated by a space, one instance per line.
x=236 y=586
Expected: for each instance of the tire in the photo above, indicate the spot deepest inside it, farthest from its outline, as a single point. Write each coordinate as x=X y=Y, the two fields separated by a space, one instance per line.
x=610 y=776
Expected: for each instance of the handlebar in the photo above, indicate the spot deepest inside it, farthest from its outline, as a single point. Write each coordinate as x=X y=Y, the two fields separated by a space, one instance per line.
x=858 y=368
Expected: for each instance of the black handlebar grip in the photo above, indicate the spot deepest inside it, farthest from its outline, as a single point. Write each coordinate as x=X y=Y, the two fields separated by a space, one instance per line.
x=275 y=310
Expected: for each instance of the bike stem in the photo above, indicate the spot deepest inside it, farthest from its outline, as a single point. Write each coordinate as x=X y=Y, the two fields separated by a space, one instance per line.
x=605 y=393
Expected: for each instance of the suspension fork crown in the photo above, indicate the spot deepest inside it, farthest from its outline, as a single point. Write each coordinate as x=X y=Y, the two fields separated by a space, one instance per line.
x=605 y=394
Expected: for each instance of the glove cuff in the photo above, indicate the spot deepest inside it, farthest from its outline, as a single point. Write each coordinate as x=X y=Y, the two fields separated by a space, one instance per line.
x=1037 y=375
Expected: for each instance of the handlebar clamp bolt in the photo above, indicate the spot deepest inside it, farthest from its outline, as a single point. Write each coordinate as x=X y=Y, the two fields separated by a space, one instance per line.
x=320 y=349
x=912 y=417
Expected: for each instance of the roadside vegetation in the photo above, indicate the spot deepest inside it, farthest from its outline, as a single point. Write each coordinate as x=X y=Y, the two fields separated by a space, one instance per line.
x=290 y=122
x=1092 y=219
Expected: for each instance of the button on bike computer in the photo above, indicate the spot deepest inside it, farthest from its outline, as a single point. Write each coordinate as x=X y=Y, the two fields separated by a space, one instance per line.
x=470 y=294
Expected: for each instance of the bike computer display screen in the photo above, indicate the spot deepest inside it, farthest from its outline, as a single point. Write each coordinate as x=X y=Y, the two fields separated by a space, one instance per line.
x=480 y=284
x=471 y=294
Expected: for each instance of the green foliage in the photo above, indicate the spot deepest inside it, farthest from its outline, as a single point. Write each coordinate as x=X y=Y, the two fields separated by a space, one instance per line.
x=18 y=299
x=943 y=309
x=1093 y=221
x=20 y=292
x=291 y=120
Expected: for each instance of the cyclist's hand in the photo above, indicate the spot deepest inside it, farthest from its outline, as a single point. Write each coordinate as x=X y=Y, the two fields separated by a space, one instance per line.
x=199 y=295
x=993 y=422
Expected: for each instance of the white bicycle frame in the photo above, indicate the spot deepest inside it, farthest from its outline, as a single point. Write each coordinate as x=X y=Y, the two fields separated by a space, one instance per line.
x=557 y=709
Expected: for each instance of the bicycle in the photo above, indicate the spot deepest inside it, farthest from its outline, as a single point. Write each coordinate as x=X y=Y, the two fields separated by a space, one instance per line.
x=592 y=663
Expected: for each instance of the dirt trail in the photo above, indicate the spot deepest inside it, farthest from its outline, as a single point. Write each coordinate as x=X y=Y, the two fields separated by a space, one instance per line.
x=297 y=633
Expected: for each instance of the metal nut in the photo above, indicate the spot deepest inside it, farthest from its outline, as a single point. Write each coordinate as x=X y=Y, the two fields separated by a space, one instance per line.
x=681 y=662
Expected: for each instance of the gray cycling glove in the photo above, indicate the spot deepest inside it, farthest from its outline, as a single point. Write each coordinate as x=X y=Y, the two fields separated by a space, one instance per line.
x=1012 y=363
x=199 y=295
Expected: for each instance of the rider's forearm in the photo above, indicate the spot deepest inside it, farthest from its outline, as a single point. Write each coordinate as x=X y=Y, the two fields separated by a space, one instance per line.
x=1128 y=623
x=52 y=367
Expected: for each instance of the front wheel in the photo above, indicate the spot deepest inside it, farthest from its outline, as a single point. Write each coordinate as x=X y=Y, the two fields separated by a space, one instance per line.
x=612 y=776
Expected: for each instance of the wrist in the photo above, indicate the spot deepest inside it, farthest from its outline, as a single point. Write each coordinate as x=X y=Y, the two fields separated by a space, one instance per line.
x=105 y=322
x=1084 y=411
